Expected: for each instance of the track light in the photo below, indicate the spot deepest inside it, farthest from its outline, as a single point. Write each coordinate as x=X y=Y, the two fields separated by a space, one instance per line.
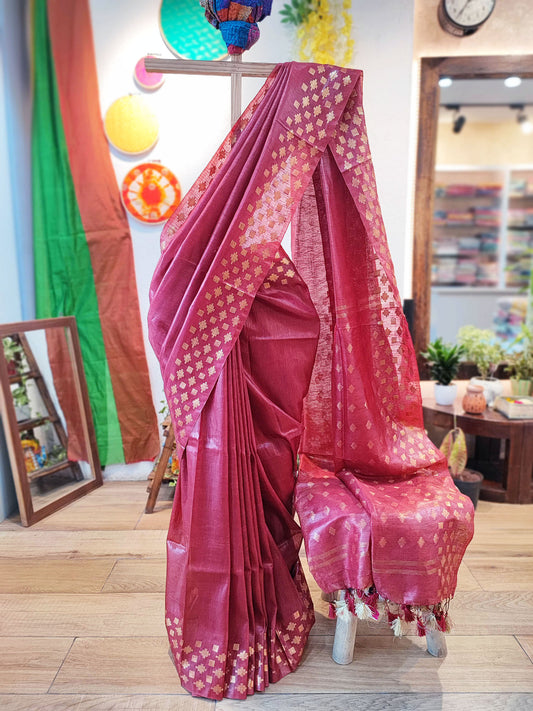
x=521 y=118
x=445 y=82
x=458 y=120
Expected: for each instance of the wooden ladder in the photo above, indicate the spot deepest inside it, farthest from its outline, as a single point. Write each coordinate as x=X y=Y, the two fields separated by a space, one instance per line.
x=34 y=373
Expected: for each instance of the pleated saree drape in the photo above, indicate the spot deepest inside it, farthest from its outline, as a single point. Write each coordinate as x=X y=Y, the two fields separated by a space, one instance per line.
x=242 y=335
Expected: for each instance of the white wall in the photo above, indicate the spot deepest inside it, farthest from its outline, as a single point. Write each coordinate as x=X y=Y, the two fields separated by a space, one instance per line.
x=10 y=292
x=194 y=116
x=383 y=33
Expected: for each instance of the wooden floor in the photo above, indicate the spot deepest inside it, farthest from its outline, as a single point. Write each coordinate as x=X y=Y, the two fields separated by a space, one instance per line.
x=82 y=623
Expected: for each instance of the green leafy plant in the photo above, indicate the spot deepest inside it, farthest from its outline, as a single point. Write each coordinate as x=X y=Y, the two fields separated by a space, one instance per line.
x=483 y=348
x=443 y=360
x=520 y=359
x=12 y=350
x=20 y=395
x=296 y=12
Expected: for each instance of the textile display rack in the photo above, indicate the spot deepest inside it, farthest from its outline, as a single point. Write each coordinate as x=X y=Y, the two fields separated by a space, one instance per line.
x=268 y=359
x=235 y=68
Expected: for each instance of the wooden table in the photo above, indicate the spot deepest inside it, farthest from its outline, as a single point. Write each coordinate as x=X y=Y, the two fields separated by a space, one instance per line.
x=517 y=485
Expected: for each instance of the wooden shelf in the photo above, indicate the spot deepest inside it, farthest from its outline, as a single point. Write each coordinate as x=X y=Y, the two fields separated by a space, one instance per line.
x=30 y=375
x=45 y=471
x=35 y=422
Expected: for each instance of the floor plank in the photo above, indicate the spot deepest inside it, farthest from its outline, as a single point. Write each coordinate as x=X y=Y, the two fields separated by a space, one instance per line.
x=478 y=613
x=53 y=576
x=130 y=665
x=42 y=702
x=66 y=615
x=104 y=702
x=82 y=544
x=137 y=576
x=381 y=702
x=526 y=643
x=29 y=664
x=159 y=519
x=506 y=574
x=385 y=664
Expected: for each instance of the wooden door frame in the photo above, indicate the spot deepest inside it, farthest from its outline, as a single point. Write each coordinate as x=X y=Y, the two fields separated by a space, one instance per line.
x=431 y=70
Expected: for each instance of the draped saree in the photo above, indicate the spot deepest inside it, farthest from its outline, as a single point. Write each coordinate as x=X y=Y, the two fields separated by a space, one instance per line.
x=244 y=335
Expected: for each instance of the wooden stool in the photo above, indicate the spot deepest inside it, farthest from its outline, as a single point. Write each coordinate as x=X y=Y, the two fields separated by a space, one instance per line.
x=346 y=630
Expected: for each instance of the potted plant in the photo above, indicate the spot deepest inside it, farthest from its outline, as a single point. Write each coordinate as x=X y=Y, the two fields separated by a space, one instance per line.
x=466 y=480
x=444 y=360
x=520 y=363
x=21 y=402
x=483 y=348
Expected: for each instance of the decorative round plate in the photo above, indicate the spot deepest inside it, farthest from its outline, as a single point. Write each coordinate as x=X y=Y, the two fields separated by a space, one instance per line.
x=187 y=33
x=150 y=81
x=130 y=125
x=150 y=192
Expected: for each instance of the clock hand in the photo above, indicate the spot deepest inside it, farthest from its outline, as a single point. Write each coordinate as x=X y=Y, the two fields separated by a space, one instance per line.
x=463 y=8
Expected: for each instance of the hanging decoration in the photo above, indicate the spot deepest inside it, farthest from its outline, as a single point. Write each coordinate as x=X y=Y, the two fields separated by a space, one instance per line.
x=130 y=125
x=150 y=192
x=187 y=34
x=149 y=81
x=237 y=21
x=82 y=244
x=323 y=30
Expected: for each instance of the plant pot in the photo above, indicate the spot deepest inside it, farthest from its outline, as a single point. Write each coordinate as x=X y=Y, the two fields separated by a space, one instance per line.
x=470 y=485
x=445 y=394
x=23 y=412
x=474 y=402
x=492 y=387
x=520 y=387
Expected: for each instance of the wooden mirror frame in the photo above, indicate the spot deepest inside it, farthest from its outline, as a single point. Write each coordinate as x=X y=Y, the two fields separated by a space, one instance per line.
x=431 y=70
x=12 y=431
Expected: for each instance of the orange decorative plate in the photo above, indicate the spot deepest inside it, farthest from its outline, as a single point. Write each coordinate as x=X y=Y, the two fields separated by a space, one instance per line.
x=150 y=192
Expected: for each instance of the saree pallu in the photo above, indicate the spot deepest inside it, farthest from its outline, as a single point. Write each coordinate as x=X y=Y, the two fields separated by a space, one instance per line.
x=243 y=335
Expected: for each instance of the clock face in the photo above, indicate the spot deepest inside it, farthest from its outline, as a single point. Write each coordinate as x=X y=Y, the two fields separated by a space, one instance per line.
x=469 y=13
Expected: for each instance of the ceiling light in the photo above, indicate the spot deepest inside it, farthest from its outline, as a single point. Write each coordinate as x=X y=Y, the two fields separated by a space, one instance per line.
x=445 y=82
x=512 y=82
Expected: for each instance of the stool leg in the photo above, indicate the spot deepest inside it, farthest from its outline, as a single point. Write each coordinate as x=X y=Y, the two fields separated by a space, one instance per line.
x=436 y=642
x=329 y=597
x=160 y=470
x=345 y=631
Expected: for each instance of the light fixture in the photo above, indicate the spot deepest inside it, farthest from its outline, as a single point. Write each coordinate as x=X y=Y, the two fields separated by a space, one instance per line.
x=512 y=82
x=521 y=117
x=445 y=82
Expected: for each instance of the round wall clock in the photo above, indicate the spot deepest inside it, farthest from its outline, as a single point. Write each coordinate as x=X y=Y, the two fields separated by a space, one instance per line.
x=130 y=125
x=464 y=17
x=150 y=192
x=149 y=81
x=187 y=33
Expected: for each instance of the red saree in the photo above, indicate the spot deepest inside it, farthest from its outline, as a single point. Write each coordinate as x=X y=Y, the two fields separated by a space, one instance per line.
x=242 y=334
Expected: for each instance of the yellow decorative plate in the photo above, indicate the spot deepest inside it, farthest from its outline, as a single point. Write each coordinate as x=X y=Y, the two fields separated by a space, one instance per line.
x=130 y=125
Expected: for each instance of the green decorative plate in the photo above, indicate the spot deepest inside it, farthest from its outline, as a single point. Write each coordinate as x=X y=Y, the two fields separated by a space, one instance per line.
x=187 y=33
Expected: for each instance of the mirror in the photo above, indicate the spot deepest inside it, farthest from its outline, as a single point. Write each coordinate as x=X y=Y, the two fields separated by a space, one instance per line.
x=432 y=70
x=46 y=416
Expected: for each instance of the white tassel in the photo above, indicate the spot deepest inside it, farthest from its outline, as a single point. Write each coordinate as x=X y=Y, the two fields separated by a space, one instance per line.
x=362 y=611
x=342 y=611
x=397 y=627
